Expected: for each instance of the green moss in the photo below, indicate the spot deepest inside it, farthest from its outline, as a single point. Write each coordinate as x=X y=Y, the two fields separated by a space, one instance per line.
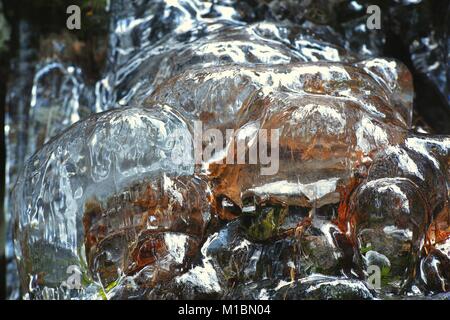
x=364 y=250
x=266 y=222
x=102 y=292
x=264 y=228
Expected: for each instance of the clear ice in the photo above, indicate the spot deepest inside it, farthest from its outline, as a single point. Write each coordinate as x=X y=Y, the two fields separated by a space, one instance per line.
x=113 y=206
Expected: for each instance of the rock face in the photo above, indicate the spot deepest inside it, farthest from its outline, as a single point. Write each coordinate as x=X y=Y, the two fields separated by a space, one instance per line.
x=319 y=191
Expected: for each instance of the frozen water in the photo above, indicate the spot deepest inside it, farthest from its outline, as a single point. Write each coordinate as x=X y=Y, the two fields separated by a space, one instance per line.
x=118 y=196
x=91 y=161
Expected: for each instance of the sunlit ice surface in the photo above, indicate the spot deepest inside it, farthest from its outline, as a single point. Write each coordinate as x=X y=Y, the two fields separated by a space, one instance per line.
x=113 y=203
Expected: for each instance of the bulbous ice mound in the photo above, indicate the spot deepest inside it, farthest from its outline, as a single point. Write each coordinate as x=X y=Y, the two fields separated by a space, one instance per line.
x=118 y=207
x=216 y=94
x=222 y=43
x=331 y=118
x=78 y=171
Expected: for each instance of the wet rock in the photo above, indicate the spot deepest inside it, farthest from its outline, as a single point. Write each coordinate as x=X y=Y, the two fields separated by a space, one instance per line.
x=311 y=288
x=5 y=32
x=435 y=271
x=239 y=260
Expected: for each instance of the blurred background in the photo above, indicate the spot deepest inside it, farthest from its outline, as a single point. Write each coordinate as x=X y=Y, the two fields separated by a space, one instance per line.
x=51 y=76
